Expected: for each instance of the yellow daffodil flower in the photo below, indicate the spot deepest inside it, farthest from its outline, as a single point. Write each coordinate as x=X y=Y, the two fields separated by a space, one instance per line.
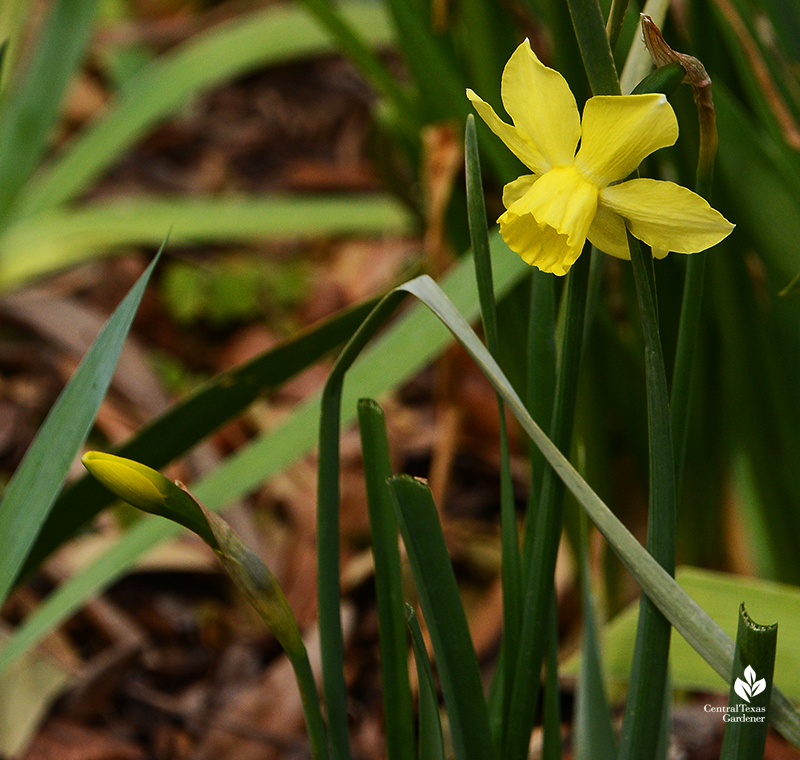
x=571 y=196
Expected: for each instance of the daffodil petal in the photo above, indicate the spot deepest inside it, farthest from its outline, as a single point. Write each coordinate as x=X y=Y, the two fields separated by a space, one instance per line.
x=542 y=106
x=609 y=234
x=540 y=246
x=513 y=191
x=619 y=131
x=521 y=147
x=666 y=216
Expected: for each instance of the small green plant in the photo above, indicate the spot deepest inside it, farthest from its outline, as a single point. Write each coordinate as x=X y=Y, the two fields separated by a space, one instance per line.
x=232 y=290
x=31 y=492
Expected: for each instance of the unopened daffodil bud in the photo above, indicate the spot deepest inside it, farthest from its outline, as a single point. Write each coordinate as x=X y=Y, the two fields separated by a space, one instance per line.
x=139 y=485
x=149 y=490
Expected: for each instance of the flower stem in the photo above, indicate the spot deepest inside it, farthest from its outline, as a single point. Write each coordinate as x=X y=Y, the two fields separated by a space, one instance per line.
x=541 y=373
x=587 y=19
x=644 y=713
x=683 y=372
x=686 y=349
x=615 y=18
x=541 y=545
x=511 y=563
x=641 y=728
x=691 y=306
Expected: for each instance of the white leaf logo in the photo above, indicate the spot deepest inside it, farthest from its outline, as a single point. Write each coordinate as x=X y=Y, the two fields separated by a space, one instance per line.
x=750 y=687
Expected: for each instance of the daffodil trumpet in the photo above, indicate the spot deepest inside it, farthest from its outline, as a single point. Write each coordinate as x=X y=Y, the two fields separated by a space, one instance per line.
x=578 y=193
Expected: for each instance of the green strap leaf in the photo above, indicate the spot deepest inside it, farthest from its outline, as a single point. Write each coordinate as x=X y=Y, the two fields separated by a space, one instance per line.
x=397 y=711
x=431 y=741
x=37 y=481
x=751 y=688
x=57 y=238
x=587 y=19
x=436 y=584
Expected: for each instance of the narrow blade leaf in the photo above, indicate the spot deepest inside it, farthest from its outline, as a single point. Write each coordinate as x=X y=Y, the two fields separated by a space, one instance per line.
x=388 y=583
x=38 y=479
x=431 y=741
x=58 y=238
x=447 y=624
